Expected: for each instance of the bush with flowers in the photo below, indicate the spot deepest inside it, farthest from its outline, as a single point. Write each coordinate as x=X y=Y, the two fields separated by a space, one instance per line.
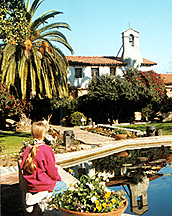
x=89 y=195
x=10 y=106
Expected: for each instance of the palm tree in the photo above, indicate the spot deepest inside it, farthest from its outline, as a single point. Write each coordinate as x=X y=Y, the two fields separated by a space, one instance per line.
x=28 y=59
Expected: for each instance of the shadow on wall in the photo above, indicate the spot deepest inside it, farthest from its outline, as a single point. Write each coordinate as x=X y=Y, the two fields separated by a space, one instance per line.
x=78 y=82
x=131 y=63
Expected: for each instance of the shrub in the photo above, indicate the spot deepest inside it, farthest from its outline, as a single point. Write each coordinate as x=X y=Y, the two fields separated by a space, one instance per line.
x=76 y=118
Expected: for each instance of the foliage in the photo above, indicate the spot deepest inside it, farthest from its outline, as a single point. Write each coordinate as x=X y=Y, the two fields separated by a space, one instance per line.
x=150 y=87
x=13 y=21
x=89 y=195
x=10 y=106
x=76 y=118
x=110 y=98
x=28 y=59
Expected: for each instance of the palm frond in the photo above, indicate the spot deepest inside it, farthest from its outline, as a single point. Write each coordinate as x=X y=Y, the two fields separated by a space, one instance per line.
x=54 y=25
x=42 y=19
x=34 y=7
x=32 y=77
x=54 y=33
x=59 y=52
x=27 y=5
x=59 y=73
x=37 y=62
x=24 y=80
x=47 y=84
x=60 y=40
x=10 y=77
x=9 y=50
x=21 y=65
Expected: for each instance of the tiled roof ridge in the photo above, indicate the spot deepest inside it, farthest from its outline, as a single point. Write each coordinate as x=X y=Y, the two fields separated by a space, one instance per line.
x=103 y=60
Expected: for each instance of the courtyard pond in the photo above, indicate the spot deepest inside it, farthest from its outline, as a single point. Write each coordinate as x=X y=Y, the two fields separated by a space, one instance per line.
x=146 y=177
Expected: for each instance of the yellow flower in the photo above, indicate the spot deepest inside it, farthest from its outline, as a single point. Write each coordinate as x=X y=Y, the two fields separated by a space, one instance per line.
x=70 y=170
x=63 y=189
x=104 y=205
x=113 y=201
x=53 y=191
x=70 y=184
x=107 y=195
x=110 y=204
x=96 y=202
x=94 y=209
x=120 y=203
x=99 y=207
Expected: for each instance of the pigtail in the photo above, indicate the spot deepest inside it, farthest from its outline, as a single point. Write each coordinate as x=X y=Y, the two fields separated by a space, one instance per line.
x=38 y=130
x=29 y=165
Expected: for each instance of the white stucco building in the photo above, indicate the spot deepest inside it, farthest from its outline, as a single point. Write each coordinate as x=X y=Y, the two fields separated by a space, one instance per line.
x=83 y=68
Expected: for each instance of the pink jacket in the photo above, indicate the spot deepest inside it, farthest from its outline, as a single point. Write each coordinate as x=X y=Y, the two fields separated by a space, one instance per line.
x=46 y=175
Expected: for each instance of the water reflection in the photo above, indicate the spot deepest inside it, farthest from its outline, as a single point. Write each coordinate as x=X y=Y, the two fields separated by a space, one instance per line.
x=133 y=170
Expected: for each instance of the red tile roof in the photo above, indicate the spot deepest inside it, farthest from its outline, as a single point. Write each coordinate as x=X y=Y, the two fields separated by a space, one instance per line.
x=95 y=60
x=167 y=78
x=147 y=62
x=102 y=61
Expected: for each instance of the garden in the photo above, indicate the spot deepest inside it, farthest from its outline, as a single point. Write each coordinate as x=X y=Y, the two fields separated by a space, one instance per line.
x=33 y=82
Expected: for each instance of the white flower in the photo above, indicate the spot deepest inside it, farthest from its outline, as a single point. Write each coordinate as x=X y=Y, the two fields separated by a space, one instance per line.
x=90 y=186
x=107 y=190
x=93 y=199
x=102 y=183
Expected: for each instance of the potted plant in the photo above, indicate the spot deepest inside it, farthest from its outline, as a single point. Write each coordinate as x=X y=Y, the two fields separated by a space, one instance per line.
x=120 y=134
x=89 y=196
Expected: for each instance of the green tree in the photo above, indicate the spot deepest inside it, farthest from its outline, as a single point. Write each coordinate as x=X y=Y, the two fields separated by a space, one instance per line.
x=28 y=59
x=102 y=93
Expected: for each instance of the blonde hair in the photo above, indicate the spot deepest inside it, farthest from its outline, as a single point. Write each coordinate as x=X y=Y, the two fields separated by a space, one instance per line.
x=38 y=130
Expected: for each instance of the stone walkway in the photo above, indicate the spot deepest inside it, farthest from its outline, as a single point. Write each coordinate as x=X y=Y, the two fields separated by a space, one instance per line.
x=86 y=137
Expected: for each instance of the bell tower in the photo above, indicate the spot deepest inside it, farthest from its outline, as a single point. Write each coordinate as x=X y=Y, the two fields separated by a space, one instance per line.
x=131 y=52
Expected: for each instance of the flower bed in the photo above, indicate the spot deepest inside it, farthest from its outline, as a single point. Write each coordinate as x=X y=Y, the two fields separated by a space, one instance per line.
x=113 y=131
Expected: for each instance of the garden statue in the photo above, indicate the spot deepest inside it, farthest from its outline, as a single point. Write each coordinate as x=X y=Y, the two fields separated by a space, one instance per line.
x=24 y=124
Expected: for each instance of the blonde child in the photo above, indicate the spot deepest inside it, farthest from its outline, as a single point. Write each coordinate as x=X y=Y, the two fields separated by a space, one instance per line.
x=38 y=164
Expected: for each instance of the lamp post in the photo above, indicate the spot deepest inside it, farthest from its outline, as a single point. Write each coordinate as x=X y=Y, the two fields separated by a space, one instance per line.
x=83 y=121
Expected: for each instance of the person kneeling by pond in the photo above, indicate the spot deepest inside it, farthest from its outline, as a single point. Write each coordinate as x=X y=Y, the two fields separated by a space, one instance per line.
x=38 y=164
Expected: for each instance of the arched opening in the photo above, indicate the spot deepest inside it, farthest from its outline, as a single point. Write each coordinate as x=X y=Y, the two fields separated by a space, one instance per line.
x=131 y=40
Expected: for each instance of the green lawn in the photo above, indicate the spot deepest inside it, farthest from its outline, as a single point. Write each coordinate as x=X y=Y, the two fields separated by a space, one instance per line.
x=166 y=127
x=12 y=141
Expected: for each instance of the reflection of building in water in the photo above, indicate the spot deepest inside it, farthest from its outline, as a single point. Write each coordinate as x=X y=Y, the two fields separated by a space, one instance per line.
x=138 y=196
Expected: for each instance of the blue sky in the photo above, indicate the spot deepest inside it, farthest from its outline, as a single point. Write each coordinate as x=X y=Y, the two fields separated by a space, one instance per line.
x=96 y=27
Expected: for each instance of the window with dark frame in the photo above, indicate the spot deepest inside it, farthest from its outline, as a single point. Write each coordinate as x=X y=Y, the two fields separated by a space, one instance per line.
x=78 y=72
x=94 y=72
x=112 y=71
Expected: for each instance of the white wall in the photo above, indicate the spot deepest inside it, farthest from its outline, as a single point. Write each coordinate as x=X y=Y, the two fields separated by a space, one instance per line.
x=86 y=72
x=86 y=75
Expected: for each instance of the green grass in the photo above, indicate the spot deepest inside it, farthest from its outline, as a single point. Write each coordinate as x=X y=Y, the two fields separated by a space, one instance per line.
x=166 y=127
x=12 y=141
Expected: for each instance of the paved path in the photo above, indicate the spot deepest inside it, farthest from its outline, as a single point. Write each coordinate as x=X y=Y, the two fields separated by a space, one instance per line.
x=85 y=136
